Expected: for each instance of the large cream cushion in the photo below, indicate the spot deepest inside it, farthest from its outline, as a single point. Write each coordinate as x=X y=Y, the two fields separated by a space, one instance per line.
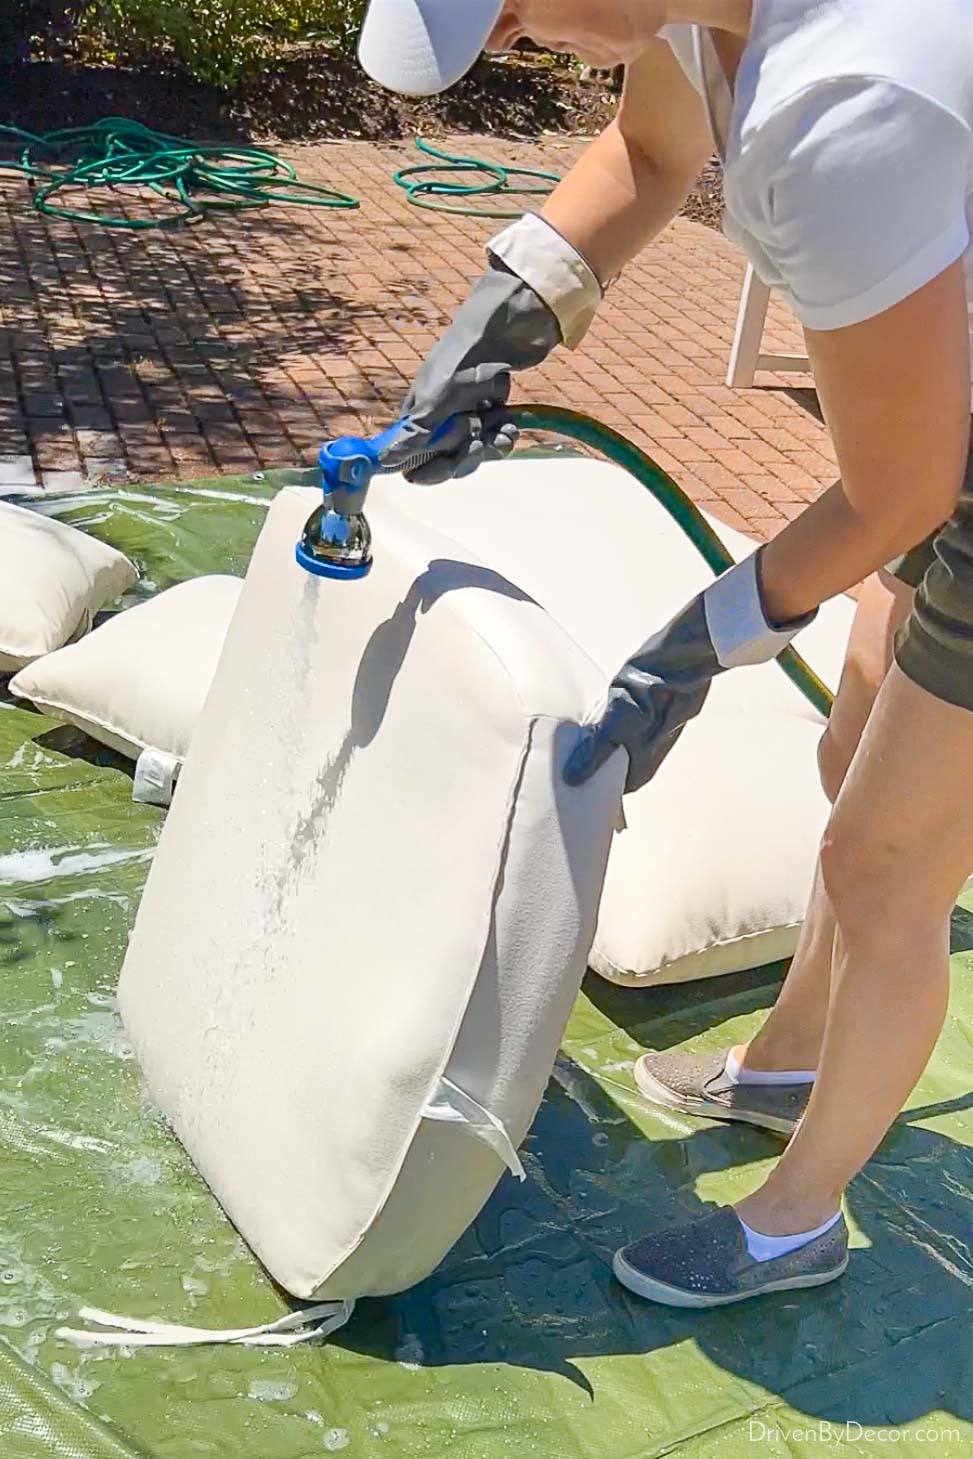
x=139 y=681
x=371 y=905
x=53 y=580
x=713 y=872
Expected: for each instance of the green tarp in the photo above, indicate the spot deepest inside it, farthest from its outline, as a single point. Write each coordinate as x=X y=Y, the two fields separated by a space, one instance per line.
x=521 y=1345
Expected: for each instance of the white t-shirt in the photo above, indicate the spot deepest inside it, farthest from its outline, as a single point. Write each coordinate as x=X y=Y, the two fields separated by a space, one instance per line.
x=849 y=148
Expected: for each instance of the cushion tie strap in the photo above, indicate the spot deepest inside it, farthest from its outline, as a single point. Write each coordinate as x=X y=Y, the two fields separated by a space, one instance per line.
x=113 y=1330
x=454 y=1106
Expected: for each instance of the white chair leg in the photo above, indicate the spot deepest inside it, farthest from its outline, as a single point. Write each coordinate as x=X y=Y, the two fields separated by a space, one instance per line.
x=745 y=354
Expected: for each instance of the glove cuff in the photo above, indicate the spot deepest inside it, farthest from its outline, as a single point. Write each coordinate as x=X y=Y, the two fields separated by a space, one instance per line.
x=535 y=251
x=736 y=621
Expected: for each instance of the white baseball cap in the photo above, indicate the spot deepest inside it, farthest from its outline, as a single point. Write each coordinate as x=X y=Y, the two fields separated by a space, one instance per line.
x=421 y=47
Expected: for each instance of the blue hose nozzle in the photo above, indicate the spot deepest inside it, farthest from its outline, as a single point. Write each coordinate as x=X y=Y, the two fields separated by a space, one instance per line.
x=337 y=540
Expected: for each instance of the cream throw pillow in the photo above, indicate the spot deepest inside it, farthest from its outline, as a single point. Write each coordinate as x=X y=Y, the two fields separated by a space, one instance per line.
x=139 y=681
x=53 y=580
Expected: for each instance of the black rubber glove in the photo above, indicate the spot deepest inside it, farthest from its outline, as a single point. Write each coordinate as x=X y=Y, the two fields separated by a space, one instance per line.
x=503 y=326
x=663 y=686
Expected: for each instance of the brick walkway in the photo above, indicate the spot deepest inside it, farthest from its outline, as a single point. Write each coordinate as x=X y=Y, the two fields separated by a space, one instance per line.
x=238 y=345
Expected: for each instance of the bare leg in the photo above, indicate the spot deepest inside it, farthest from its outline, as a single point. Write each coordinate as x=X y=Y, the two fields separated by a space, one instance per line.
x=791 y=1037
x=896 y=853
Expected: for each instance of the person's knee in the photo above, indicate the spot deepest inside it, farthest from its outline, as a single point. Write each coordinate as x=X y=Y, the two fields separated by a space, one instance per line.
x=875 y=889
x=883 y=606
x=858 y=886
x=833 y=762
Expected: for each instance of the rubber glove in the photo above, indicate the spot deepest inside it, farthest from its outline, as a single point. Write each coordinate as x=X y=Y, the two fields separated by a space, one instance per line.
x=663 y=686
x=536 y=293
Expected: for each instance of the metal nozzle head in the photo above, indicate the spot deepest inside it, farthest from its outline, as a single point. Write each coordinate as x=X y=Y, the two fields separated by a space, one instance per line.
x=336 y=541
x=334 y=545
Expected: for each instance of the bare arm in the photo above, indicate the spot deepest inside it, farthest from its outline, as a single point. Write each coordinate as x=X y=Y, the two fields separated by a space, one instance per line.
x=895 y=392
x=636 y=176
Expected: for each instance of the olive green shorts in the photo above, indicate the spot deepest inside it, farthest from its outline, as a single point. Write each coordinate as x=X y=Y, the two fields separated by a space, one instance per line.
x=934 y=648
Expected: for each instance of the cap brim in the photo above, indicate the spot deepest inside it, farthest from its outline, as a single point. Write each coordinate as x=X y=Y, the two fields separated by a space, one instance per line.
x=421 y=47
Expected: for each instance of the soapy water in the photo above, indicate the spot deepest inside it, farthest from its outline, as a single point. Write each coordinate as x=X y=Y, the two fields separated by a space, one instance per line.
x=333 y=1439
x=73 y=1383
x=98 y=1029
x=45 y=863
x=265 y=1390
x=17 y=907
x=26 y=1294
x=18 y=759
x=145 y=1170
x=409 y=1353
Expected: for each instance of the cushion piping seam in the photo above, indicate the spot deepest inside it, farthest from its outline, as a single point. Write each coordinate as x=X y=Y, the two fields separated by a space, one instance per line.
x=695 y=952
x=93 y=719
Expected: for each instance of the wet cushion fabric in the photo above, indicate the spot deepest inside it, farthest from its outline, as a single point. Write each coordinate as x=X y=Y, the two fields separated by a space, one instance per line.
x=53 y=580
x=139 y=681
x=371 y=904
x=713 y=872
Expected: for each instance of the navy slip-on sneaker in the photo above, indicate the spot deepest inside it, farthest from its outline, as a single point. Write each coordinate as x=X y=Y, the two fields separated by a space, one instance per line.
x=706 y=1263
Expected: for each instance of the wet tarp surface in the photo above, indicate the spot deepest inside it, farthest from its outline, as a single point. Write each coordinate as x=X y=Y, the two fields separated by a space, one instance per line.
x=521 y=1344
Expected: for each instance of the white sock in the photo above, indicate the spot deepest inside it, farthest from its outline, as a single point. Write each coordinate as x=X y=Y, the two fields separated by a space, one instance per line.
x=738 y=1074
x=765 y=1248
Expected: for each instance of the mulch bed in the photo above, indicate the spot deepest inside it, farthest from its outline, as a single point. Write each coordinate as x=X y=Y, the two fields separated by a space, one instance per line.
x=313 y=94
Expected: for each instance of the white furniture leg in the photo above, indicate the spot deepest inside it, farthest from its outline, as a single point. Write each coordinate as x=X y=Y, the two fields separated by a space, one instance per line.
x=746 y=357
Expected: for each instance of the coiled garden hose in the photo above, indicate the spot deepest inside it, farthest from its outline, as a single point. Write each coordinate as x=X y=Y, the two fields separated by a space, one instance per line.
x=624 y=453
x=494 y=181
x=195 y=178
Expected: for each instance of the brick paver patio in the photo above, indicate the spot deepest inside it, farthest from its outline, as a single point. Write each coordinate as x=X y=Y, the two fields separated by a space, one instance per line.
x=237 y=345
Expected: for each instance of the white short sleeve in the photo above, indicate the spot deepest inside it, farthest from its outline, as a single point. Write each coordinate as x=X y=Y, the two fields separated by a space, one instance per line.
x=855 y=195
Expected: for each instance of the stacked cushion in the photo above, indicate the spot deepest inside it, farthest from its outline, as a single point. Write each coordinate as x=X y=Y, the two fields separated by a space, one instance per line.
x=713 y=872
x=53 y=580
x=139 y=680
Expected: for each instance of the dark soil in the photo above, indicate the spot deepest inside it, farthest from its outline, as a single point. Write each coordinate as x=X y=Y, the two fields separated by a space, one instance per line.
x=314 y=95
x=705 y=202
x=310 y=95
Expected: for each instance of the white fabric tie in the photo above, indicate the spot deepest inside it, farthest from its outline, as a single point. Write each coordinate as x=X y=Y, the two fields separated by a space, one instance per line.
x=454 y=1106
x=113 y=1330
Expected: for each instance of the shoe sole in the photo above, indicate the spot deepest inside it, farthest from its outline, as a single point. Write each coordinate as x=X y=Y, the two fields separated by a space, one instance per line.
x=653 y=1291
x=685 y=1104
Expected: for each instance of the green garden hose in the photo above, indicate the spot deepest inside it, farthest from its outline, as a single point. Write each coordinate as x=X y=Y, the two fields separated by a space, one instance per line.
x=433 y=192
x=668 y=494
x=194 y=178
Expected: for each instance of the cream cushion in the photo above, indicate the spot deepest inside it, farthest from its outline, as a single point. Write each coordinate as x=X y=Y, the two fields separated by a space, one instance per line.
x=53 y=580
x=139 y=681
x=371 y=904
x=713 y=872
